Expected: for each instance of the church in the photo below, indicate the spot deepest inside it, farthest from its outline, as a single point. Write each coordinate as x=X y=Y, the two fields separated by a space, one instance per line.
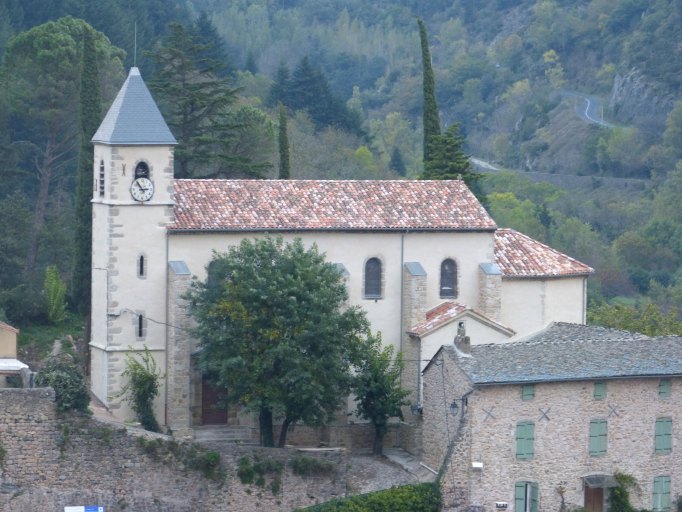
x=422 y=258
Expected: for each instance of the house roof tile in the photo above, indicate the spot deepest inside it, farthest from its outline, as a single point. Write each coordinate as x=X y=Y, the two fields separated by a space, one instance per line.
x=519 y=256
x=341 y=205
x=570 y=352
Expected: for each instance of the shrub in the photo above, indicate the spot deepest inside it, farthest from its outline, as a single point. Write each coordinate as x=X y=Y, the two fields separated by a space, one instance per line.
x=54 y=291
x=407 y=498
x=142 y=387
x=255 y=473
x=66 y=379
x=308 y=466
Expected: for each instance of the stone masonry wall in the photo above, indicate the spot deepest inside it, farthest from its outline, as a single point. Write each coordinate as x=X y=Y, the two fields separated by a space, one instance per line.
x=561 y=413
x=51 y=462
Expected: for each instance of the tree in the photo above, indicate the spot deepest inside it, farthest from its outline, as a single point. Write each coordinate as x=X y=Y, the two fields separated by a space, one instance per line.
x=648 y=319
x=41 y=66
x=275 y=331
x=377 y=388
x=90 y=117
x=283 y=139
x=430 y=114
x=194 y=101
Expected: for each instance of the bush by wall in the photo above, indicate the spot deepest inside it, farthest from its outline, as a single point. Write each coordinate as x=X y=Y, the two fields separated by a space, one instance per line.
x=66 y=379
x=408 y=498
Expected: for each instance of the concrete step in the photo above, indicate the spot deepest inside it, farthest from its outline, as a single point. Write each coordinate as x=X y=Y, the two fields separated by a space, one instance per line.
x=224 y=434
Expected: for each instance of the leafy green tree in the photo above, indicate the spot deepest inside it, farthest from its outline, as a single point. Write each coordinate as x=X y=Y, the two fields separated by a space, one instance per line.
x=648 y=319
x=275 y=330
x=283 y=140
x=430 y=115
x=252 y=148
x=90 y=117
x=397 y=163
x=65 y=377
x=377 y=389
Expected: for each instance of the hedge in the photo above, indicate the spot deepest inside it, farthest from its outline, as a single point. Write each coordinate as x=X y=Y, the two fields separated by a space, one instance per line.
x=408 y=498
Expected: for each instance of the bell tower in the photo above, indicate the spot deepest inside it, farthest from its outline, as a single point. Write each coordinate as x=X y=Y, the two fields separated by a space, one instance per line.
x=132 y=203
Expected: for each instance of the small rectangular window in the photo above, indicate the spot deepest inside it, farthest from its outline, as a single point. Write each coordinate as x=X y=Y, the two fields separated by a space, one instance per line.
x=598 y=430
x=664 y=388
x=527 y=391
x=661 y=494
x=663 y=435
x=525 y=440
x=599 y=390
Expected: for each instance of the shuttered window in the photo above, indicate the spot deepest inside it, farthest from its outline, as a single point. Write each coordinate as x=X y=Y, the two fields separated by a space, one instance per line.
x=527 y=391
x=661 y=495
x=664 y=388
x=663 y=433
x=599 y=390
x=525 y=440
x=597 y=437
x=526 y=497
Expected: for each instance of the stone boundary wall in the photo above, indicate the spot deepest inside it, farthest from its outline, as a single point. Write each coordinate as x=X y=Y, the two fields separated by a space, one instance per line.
x=51 y=461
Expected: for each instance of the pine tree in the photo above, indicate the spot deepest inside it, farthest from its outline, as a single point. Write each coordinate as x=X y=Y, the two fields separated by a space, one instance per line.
x=90 y=116
x=449 y=162
x=397 y=162
x=430 y=115
x=284 y=163
x=195 y=103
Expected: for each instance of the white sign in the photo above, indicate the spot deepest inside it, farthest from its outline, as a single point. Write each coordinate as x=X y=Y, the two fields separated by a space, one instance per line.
x=86 y=508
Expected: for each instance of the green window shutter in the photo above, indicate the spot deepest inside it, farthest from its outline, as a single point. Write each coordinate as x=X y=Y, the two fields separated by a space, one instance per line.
x=520 y=497
x=597 y=437
x=534 y=497
x=664 y=388
x=661 y=495
x=525 y=439
x=527 y=391
x=663 y=435
x=599 y=390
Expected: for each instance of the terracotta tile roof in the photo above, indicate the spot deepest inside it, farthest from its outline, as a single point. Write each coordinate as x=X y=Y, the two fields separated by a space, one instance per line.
x=443 y=314
x=519 y=256
x=297 y=205
x=438 y=316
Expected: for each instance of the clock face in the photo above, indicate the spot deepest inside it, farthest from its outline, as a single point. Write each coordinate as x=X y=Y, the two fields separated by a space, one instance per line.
x=142 y=189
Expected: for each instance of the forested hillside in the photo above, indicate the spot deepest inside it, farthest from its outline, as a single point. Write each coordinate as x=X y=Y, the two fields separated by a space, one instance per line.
x=546 y=88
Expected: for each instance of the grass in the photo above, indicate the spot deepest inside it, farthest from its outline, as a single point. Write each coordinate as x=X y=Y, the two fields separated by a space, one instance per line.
x=35 y=341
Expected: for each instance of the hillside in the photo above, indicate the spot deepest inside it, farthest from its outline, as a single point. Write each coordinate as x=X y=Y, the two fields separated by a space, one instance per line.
x=513 y=73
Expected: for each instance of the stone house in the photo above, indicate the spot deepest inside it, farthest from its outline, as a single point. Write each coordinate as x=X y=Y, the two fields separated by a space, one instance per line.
x=403 y=247
x=549 y=420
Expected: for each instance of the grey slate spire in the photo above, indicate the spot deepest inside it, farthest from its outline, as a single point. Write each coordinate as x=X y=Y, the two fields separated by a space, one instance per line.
x=134 y=118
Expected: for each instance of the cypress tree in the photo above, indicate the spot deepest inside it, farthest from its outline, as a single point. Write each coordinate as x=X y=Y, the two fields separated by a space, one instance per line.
x=90 y=117
x=431 y=120
x=284 y=163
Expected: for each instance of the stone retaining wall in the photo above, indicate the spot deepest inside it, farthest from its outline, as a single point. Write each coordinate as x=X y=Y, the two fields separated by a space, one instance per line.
x=52 y=461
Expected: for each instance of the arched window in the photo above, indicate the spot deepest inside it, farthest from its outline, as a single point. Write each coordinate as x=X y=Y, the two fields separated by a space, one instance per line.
x=373 y=278
x=141 y=170
x=101 y=178
x=448 y=279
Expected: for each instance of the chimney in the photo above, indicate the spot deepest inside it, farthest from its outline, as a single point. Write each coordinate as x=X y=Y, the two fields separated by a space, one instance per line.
x=462 y=341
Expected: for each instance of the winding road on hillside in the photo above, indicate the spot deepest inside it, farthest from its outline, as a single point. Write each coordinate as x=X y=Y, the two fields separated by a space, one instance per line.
x=588 y=108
